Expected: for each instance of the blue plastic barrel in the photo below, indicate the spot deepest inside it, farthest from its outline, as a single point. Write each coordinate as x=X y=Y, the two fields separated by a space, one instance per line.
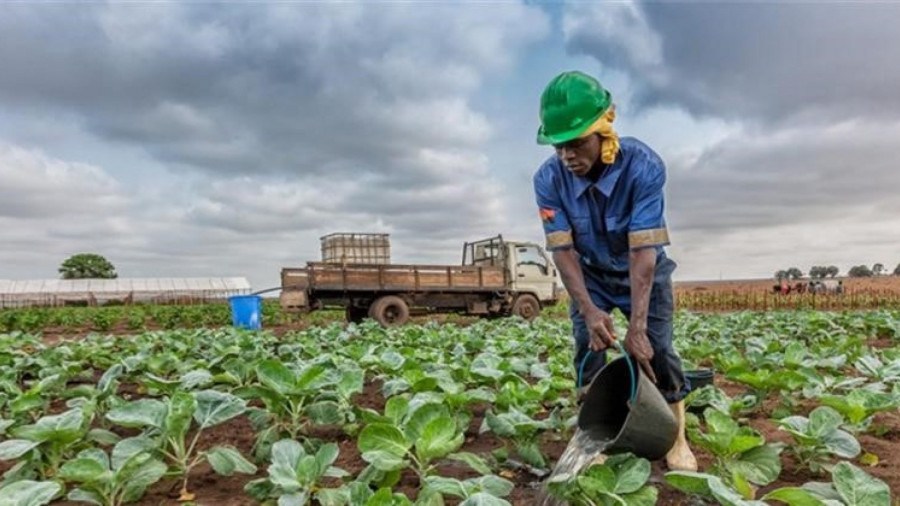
x=246 y=311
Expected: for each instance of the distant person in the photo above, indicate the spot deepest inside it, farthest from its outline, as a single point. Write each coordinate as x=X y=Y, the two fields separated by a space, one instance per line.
x=602 y=206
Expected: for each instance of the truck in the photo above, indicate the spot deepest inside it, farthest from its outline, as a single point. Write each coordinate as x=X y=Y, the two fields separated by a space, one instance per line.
x=495 y=278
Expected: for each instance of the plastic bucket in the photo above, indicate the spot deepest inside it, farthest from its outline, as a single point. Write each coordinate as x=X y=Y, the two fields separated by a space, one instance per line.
x=643 y=425
x=246 y=311
x=699 y=378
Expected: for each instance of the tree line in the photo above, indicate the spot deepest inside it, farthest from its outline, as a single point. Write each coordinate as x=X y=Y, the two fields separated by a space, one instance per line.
x=831 y=271
x=92 y=265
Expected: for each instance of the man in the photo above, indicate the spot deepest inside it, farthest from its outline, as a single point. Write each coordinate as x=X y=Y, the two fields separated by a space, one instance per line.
x=602 y=206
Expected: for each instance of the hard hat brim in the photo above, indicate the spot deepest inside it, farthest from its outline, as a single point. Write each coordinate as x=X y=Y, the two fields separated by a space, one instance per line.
x=558 y=138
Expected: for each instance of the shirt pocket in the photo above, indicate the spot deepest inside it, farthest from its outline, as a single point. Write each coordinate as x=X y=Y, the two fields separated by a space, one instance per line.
x=582 y=233
x=617 y=234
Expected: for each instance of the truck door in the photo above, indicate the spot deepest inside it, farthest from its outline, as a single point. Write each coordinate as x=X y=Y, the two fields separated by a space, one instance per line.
x=533 y=271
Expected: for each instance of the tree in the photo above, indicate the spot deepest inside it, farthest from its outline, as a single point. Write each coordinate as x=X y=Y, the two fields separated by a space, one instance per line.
x=779 y=275
x=87 y=265
x=823 y=271
x=897 y=270
x=860 y=271
x=878 y=269
x=794 y=273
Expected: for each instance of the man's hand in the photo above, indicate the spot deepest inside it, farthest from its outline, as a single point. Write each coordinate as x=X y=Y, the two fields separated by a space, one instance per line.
x=601 y=328
x=638 y=346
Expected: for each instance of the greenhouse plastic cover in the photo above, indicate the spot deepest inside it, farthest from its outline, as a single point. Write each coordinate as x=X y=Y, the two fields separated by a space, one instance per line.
x=139 y=288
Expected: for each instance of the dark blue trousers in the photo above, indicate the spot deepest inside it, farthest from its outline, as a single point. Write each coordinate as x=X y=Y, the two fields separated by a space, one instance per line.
x=613 y=290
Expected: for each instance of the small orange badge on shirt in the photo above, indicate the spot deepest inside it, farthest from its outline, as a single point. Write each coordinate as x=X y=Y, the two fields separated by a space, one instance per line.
x=547 y=214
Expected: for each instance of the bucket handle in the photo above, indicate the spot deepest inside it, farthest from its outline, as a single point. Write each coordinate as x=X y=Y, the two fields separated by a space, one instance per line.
x=628 y=361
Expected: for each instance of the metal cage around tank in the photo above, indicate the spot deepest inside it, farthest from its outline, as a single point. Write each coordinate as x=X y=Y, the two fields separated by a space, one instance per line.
x=356 y=248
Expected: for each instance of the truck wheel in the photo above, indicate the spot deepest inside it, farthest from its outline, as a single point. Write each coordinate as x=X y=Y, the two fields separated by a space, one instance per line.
x=355 y=314
x=389 y=311
x=527 y=307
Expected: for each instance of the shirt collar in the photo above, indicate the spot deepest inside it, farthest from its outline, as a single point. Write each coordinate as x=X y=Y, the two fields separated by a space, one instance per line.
x=605 y=184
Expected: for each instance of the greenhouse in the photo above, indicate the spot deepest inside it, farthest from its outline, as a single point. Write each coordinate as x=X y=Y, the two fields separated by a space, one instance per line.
x=92 y=292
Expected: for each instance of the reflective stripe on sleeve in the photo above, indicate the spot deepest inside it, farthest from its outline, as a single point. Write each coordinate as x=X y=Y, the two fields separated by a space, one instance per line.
x=651 y=237
x=559 y=239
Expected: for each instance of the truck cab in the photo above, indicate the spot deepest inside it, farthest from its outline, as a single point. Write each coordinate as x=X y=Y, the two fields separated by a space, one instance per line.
x=532 y=277
x=533 y=271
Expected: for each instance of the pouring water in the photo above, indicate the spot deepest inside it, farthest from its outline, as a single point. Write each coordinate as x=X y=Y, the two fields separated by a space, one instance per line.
x=622 y=412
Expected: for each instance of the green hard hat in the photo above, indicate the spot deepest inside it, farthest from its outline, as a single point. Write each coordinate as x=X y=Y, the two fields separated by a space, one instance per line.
x=571 y=103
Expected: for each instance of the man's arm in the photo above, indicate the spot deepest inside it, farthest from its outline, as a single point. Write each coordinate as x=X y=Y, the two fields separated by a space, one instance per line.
x=647 y=232
x=641 y=266
x=598 y=322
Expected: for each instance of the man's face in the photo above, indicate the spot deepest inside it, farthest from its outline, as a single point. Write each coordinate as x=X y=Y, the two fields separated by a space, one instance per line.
x=579 y=155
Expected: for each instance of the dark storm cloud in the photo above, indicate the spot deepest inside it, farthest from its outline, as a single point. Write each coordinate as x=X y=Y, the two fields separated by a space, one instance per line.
x=816 y=175
x=236 y=88
x=298 y=116
x=765 y=61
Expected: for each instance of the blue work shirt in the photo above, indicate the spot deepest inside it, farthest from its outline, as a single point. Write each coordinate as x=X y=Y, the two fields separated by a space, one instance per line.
x=603 y=220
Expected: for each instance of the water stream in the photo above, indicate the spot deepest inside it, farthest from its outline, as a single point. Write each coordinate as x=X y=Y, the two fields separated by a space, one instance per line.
x=581 y=451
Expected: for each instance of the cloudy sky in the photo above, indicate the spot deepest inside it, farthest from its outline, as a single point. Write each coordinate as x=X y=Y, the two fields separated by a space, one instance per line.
x=201 y=139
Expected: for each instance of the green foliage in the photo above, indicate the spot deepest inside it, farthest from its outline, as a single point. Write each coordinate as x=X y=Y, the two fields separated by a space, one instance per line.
x=741 y=453
x=620 y=480
x=112 y=481
x=860 y=271
x=165 y=425
x=296 y=398
x=28 y=493
x=712 y=487
x=483 y=490
x=168 y=386
x=410 y=436
x=850 y=487
x=295 y=477
x=87 y=265
x=790 y=273
x=710 y=396
x=46 y=444
x=522 y=431
x=143 y=316
x=860 y=405
x=823 y=271
x=763 y=380
x=818 y=437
